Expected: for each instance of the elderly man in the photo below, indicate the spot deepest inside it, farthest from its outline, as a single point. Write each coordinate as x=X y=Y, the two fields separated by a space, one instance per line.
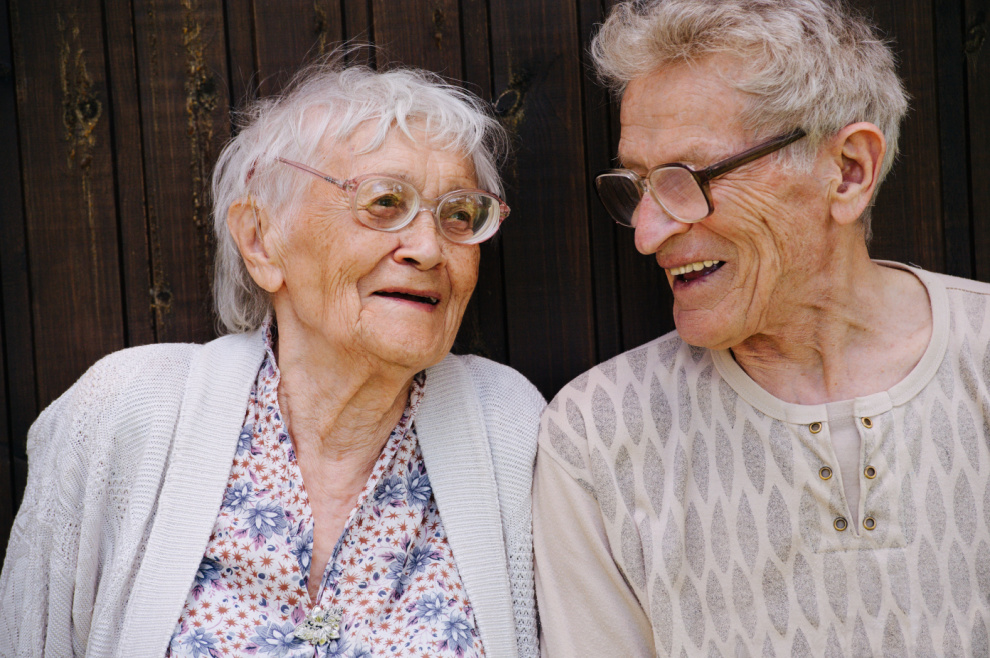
x=802 y=468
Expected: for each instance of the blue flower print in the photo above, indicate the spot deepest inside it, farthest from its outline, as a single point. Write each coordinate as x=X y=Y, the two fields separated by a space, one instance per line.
x=209 y=572
x=418 y=487
x=264 y=519
x=338 y=648
x=244 y=440
x=390 y=491
x=362 y=652
x=456 y=633
x=197 y=643
x=276 y=640
x=403 y=567
x=431 y=607
x=238 y=496
x=302 y=549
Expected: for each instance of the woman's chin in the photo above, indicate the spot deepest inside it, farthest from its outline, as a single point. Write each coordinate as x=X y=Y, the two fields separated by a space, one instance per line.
x=408 y=352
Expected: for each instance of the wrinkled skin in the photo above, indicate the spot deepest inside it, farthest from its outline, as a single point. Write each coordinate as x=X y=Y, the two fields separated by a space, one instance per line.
x=332 y=266
x=769 y=227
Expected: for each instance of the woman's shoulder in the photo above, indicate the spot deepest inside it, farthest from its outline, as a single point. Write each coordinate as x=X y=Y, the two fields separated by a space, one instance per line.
x=501 y=386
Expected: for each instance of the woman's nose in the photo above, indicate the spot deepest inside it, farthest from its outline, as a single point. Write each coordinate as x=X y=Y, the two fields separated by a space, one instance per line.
x=421 y=242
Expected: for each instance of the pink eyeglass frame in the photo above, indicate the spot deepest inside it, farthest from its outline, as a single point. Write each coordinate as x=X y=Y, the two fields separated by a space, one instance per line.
x=424 y=203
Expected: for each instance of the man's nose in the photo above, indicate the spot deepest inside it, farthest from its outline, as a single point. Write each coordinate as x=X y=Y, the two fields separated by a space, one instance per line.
x=654 y=225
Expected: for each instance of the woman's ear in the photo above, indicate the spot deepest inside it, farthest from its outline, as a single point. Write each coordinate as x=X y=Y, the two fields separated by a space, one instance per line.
x=857 y=152
x=249 y=225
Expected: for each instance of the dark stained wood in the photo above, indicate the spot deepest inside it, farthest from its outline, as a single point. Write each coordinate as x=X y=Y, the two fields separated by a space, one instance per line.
x=483 y=330
x=951 y=70
x=423 y=33
x=67 y=167
x=125 y=116
x=358 y=27
x=182 y=65
x=17 y=368
x=907 y=219
x=241 y=62
x=977 y=53
x=600 y=153
x=290 y=34
x=546 y=247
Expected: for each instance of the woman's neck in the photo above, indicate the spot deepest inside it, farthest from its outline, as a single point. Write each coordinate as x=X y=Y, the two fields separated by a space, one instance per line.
x=338 y=407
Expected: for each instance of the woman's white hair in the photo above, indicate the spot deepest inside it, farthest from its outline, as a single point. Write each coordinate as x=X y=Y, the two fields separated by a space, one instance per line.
x=814 y=64
x=324 y=104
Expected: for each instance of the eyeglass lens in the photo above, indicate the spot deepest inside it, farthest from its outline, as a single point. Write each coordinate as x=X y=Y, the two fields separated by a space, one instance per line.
x=386 y=204
x=679 y=193
x=674 y=188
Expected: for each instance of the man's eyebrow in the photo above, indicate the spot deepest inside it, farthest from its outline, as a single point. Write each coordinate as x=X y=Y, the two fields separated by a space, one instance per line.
x=693 y=156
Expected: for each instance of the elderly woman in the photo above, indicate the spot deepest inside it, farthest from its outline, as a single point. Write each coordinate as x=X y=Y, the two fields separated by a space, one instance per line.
x=325 y=480
x=800 y=469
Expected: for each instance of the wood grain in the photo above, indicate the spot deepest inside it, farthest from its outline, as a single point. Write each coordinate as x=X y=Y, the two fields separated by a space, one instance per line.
x=182 y=73
x=977 y=53
x=537 y=73
x=67 y=174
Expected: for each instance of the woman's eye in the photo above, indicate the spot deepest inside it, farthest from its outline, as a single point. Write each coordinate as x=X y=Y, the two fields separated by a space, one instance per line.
x=460 y=216
x=387 y=201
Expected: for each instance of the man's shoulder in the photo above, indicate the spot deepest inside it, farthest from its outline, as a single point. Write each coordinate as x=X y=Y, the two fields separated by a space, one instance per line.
x=655 y=363
x=620 y=399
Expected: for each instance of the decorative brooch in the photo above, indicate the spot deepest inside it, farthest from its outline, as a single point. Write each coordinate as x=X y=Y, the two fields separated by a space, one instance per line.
x=320 y=626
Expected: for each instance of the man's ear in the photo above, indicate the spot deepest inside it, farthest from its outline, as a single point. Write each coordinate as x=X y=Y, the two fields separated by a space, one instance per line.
x=857 y=152
x=250 y=225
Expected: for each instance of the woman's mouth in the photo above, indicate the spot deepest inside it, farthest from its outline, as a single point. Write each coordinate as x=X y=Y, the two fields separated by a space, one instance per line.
x=696 y=270
x=409 y=297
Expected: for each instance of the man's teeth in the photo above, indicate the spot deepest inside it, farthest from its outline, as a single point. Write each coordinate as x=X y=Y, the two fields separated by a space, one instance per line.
x=693 y=267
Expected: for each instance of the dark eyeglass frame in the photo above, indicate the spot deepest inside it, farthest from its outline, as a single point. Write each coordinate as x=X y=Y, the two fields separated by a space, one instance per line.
x=422 y=203
x=701 y=176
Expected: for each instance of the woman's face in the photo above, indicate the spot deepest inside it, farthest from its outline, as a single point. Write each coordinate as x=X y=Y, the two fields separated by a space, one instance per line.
x=397 y=297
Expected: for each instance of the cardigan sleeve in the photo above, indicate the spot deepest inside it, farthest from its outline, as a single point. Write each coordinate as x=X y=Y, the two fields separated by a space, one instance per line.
x=512 y=407
x=72 y=533
x=37 y=582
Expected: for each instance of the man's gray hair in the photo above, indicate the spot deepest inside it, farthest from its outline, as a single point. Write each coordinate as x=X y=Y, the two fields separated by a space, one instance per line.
x=814 y=64
x=324 y=105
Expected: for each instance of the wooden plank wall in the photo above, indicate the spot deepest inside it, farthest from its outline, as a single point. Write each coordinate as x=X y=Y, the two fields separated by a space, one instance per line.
x=113 y=111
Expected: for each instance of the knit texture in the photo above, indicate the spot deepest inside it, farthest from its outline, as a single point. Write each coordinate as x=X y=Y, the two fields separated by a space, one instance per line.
x=120 y=500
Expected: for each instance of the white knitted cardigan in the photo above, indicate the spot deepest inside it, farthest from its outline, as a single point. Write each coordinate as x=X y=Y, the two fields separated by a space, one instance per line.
x=127 y=471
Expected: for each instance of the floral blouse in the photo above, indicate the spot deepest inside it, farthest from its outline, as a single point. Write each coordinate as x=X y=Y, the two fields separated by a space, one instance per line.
x=391 y=573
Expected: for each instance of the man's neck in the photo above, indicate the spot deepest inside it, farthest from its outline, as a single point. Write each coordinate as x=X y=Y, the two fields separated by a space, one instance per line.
x=855 y=330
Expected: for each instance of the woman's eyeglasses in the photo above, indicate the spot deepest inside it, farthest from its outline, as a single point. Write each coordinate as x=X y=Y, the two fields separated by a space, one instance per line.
x=681 y=191
x=388 y=204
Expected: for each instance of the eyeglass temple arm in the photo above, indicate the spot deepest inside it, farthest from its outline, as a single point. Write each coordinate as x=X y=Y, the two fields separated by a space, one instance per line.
x=755 y=153
x=309 y=170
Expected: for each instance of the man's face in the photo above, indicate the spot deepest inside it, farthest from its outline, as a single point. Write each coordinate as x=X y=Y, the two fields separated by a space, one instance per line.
x=768 y=230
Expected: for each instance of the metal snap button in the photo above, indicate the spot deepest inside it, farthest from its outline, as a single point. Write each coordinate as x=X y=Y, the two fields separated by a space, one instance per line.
x=870 y=472
x=867 y=423
x=869 y=523
x=825 y=472
x=840 y=523
x=815 y=428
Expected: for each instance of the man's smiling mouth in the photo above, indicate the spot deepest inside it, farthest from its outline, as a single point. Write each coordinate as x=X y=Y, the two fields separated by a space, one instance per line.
x=696 y=270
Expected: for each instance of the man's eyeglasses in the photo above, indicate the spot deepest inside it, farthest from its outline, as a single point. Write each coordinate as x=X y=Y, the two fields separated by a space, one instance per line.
x=389 y=204
x=681 y=191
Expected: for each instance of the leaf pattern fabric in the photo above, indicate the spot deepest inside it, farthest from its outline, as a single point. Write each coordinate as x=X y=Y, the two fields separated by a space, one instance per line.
x=723 y=510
